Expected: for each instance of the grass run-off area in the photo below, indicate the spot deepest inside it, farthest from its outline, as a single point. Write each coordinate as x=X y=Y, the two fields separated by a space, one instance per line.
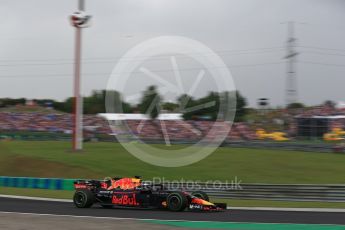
x=98 y=160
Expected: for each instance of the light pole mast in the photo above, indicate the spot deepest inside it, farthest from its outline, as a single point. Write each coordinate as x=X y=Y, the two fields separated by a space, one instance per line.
x=79 y=20
x=291 y=81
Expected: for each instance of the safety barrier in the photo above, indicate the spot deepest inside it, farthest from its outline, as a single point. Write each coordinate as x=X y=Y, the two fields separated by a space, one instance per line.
x=283 y=192
x=38 y=183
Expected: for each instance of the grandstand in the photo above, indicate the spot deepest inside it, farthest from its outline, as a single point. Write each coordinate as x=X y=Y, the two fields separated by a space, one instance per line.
x=308 y=122
x=137 y=125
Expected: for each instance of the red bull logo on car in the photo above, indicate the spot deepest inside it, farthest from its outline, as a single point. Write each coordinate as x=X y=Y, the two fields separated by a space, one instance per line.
x=129 y=200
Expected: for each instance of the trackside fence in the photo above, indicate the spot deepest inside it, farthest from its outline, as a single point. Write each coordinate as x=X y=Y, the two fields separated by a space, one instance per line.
x=283 y=192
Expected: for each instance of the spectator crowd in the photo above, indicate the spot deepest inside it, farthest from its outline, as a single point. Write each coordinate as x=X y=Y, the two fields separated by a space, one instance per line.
x=150 y=129
x=40 y=122
x=153 y=129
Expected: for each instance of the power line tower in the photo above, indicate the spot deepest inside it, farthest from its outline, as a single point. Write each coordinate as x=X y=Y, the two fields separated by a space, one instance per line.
x=291 y=81
x=79 y=20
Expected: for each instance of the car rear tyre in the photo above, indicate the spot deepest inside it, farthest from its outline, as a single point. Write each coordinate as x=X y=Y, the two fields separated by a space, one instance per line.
x=201 y=195
x=83 y=198
x=177 y=201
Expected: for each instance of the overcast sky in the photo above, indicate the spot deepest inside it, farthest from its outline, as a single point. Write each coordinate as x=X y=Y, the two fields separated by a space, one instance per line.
x=37 y=44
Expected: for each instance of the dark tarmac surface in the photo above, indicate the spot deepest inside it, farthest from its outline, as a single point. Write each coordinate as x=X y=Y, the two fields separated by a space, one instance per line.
x=64 y=208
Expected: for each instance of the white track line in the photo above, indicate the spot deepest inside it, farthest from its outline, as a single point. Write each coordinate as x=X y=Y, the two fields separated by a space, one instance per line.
x=35 y=198
x=340 y=210
x=75 y=216
x=288 y=209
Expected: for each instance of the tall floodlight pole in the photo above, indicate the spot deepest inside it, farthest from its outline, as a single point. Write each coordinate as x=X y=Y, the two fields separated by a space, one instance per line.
x=291 y=81
x=79 y=20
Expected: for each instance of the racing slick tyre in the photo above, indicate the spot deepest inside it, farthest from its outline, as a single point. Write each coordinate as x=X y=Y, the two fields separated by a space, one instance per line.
x=177 y=201
x=83 y=198
x=201 y=195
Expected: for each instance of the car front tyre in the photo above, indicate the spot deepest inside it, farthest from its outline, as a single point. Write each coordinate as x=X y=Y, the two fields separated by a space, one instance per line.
x=177 y=201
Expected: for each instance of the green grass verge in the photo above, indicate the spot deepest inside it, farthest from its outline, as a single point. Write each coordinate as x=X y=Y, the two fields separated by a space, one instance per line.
x=58 y=194
x=54 y=159
x=234 y=203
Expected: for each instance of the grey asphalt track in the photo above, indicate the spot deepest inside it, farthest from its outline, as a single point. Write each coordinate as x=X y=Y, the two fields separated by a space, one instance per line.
x=15 y=221
x=62 y=208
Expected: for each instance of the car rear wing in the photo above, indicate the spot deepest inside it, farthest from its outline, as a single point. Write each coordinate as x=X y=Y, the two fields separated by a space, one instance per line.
x=89 y=184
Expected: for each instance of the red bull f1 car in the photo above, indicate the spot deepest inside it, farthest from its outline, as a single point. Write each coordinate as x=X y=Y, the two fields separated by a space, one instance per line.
x=133 y=193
